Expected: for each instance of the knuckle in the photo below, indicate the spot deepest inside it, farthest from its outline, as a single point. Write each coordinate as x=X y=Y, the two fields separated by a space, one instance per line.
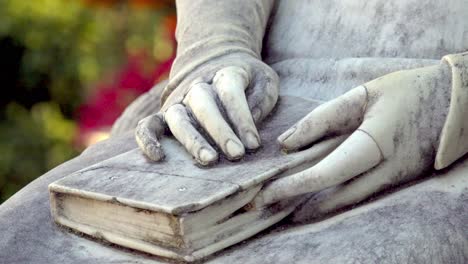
x=140 y=124
x=231 y=74
x=173 y=109
x=175 y=113
x=143 y=124
x=269 y=73
x=232 y=70
x=196 y=91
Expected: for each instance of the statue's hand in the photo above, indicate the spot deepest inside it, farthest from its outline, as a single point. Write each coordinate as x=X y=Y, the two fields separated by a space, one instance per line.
x=394 y=124
x=219 y=102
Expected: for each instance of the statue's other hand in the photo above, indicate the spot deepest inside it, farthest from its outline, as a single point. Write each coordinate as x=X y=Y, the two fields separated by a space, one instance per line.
x=215 y=108
x=394 y=124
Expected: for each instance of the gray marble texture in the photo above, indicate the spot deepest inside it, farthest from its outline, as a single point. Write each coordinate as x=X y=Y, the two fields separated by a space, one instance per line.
x=421 y=29
x=424 y=223
x=318 y=49
x=130 y=177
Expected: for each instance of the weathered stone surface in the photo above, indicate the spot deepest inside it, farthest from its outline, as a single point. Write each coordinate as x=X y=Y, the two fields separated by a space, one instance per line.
x=425 y=223
x=132 y=177
x=177 y=187
x=426 y=220
x=317 y=29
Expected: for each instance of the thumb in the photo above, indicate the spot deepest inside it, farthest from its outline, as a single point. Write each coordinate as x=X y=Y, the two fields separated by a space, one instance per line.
x=147 y=132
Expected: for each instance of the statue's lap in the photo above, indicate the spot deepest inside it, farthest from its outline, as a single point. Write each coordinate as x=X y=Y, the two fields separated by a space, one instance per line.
x=421 y=223
x=425 y=222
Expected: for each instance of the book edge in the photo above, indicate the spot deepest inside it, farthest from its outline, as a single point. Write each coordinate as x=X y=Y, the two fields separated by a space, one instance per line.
x=177 y=254
x=306 y=156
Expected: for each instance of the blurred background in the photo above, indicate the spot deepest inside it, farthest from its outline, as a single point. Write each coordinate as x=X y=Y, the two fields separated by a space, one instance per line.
x=68 y=69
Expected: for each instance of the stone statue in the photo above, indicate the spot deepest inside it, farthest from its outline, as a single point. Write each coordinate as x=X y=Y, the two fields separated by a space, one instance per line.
x=400 y=124
x=393 y=77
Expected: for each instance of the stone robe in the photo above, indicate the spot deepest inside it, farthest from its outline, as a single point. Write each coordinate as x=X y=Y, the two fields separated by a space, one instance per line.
x=320 y=49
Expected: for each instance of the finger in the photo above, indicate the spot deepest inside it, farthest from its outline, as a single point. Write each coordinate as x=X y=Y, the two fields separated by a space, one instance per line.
x=359 y=189
x=350 y=193
x=230 y=83
x=304 y=158
x=201 y=100
x=263 y=93
x=146 y=134
x=183 y=130
x=356 y=155
x=338 y=116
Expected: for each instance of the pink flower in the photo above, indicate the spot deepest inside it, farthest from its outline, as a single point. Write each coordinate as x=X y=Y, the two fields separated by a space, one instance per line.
x=102 y=108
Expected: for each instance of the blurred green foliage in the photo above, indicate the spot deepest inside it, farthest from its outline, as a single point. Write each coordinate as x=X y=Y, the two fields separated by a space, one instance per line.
x=52 y=52
x=33 y=141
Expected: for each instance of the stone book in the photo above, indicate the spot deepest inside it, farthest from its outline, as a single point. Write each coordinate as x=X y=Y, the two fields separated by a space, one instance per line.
x=176 y=209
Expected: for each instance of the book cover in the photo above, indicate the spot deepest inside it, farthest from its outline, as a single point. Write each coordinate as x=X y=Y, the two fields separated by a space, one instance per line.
x=175 y=208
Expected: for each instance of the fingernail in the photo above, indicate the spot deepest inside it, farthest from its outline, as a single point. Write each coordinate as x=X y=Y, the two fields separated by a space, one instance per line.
x=251 y=140
x=206 y=156
x=234 y=150
x=286 y=134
